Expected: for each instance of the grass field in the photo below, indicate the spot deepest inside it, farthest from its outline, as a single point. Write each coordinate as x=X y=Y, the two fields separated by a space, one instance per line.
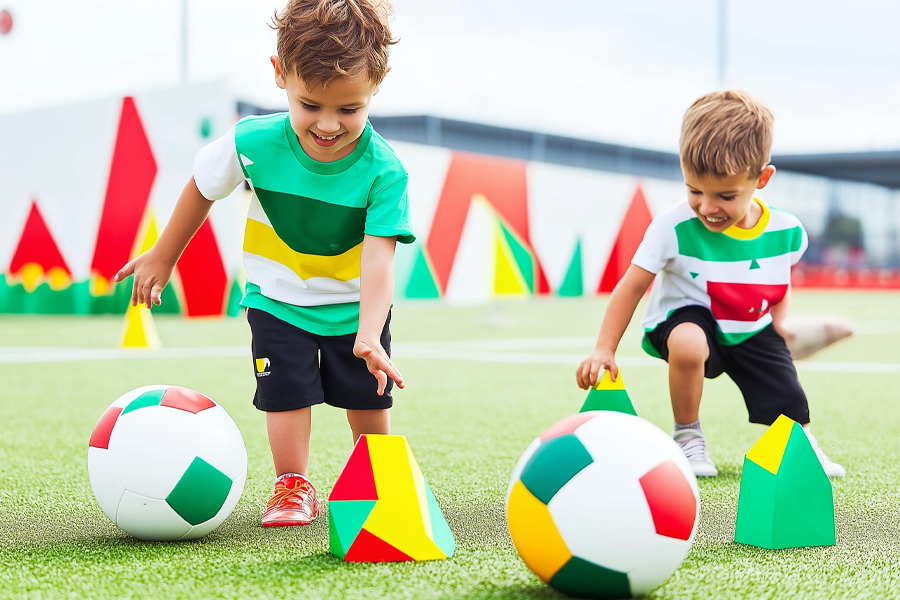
x=469 y=411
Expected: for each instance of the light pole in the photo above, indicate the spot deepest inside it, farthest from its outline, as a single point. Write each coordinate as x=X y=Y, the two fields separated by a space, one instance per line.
x=184 y=42
x=721 y=43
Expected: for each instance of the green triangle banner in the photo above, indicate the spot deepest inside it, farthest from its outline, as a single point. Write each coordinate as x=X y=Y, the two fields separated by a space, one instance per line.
x=421 y=282
x=573 y=283
x=523 y=257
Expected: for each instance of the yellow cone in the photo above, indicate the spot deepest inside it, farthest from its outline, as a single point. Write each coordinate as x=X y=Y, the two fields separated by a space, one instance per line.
x=139 y=330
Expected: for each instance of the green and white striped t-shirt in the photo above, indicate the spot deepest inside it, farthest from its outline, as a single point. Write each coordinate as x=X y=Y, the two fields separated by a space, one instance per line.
x=738 y=274
x=307 y=219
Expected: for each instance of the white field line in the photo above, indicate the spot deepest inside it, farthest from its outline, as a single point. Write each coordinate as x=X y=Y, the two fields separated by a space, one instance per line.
x=625 y=361
x=516 y=357
x=489 y=351
x=15 y=355
x=559 y=343
x=879 y=327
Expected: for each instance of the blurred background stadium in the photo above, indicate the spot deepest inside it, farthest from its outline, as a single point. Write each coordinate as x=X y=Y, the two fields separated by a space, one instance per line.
x=540 y=141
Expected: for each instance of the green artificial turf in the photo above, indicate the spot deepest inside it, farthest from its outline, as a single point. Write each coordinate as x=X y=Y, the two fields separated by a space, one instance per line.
x=467 y=423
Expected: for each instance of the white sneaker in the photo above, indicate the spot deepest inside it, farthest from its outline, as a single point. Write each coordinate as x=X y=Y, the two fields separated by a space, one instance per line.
x=832 y=469
x=693 y=444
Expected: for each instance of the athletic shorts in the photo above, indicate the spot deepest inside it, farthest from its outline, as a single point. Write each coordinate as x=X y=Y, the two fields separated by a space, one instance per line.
x=761 y=366
x=295 y=368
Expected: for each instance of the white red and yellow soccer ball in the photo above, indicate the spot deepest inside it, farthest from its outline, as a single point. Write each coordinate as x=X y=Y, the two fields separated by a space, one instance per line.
x=166 y=463
x=603 y=505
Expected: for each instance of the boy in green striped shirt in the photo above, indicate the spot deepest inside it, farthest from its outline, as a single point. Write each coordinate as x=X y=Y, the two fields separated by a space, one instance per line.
x=722 y=262
x=329 y=204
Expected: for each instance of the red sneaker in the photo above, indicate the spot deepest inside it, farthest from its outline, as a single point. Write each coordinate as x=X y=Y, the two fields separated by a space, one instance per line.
x=293 y=502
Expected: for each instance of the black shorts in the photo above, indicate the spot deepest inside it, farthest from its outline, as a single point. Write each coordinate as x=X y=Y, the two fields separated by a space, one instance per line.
x=761 y=366
x=295 y=368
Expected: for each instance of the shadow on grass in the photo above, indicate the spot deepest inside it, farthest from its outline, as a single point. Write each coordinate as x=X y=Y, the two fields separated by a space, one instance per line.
x=512 y=592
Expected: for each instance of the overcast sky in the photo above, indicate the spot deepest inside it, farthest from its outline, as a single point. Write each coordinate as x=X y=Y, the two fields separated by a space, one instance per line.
x=619 y=71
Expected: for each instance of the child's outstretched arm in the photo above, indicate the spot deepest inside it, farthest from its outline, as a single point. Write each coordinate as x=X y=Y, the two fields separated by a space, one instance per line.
x=153 y=269
x=619 y=311
x=376 y=288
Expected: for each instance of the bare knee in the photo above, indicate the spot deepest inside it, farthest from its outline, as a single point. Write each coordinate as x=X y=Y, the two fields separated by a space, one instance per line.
x=687 y=346
x=369 y=421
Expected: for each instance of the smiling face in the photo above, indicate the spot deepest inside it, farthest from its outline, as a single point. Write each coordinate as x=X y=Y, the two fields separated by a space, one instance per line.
x=328 y=120
x=721 y=202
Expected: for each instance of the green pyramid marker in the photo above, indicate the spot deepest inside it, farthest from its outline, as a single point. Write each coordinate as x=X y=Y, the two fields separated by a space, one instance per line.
x=786 y=500
x=754 y=264
x=609 y=395
x=693 y=275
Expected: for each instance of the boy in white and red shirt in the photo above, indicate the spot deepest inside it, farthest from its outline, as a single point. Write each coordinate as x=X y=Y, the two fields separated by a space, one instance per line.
x=722 y=262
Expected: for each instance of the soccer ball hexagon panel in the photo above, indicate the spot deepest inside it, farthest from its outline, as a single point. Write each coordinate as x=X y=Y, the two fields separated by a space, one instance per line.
x=604 y=505
x=166 y=463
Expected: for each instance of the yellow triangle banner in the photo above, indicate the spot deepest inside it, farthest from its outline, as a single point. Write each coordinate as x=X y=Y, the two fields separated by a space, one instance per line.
x=139 y=330
x=508 y=279
x=151 y=234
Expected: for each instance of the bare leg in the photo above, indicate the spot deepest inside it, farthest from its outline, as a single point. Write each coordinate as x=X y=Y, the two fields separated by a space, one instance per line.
x=807 y=335
x=369 y=421
x=289 y=440
x=688 y=351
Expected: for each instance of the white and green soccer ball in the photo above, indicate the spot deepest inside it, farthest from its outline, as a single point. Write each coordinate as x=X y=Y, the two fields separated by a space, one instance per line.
x=166 y=463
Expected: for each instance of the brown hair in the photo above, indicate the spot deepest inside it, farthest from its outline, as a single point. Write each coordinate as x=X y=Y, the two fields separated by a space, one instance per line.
x=321 y=40
x=726 y=133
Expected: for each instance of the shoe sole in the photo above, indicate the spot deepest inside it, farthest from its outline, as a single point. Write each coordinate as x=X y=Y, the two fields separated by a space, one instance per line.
x=286 y=523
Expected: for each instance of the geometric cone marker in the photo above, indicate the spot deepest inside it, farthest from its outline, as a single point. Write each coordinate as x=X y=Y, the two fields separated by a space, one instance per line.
x=381 y=508
x=139 y=330
x=786 y=499
x=609 y=395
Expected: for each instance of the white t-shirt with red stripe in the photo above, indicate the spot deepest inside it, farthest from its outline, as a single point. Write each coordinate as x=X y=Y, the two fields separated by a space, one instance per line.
x=738 y=274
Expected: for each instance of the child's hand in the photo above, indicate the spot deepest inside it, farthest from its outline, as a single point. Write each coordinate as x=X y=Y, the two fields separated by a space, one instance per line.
x=379 y=363
x=150 y=277
x=589 y=370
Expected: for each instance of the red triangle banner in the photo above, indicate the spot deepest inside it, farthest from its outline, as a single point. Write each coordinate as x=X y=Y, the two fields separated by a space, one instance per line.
x=631 y=233
x=503 y=183
x=204 y=281
x=131 y=176
x=36 y=245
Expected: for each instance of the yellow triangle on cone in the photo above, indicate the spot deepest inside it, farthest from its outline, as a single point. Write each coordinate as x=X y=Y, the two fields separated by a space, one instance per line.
x=606 y=382
x=139 y=330
x=768 y=451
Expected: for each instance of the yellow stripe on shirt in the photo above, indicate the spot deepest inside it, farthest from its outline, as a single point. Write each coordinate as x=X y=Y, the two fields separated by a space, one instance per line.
x=260 y=239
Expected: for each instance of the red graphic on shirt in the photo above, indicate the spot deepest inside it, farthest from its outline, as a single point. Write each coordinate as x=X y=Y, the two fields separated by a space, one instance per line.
x=743 y=301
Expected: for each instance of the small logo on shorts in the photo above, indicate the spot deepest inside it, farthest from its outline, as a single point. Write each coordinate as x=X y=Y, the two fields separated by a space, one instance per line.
x=262 y=367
